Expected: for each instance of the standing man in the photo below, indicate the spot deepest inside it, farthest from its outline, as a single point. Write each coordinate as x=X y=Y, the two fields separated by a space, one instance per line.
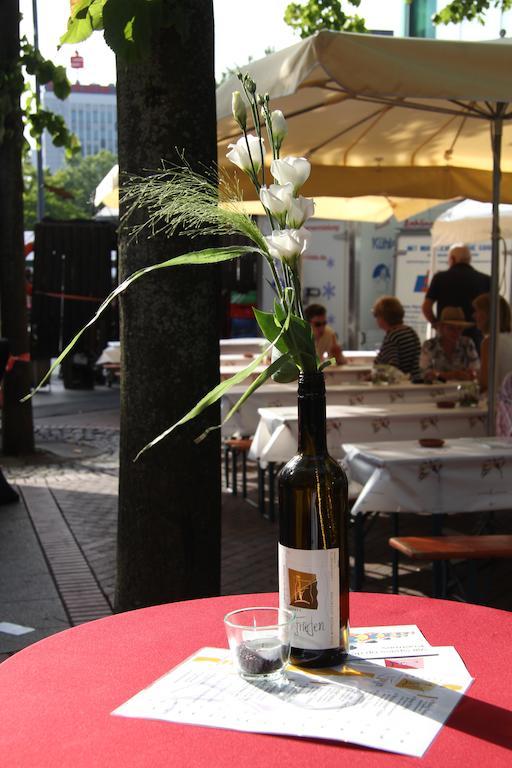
x=326 y=342
x=456 y=286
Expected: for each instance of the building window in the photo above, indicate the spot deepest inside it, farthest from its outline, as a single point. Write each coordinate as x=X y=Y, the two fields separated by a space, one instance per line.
x=95 y=116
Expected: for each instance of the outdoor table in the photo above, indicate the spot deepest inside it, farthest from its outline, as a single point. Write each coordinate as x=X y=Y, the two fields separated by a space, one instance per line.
x=236 y=359
x=272 y=395
x=241 y=346
x=361 y=356
x=275 y=439
x=110 y=355
x=58 y=694
x=464 y=475
x=338 y=374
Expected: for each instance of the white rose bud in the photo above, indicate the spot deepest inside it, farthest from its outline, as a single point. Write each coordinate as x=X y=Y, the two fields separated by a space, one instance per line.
x=277 y=199
x=288 y=244
x=291 y=169
x=239 y=110
x=299 y=210
x=279 y=127
x=239 y=154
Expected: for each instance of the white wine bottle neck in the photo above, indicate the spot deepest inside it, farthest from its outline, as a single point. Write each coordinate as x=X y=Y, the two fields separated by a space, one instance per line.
x=311 y=408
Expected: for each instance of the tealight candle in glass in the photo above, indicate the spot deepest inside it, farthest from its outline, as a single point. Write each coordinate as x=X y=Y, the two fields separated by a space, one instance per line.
x=259 y=639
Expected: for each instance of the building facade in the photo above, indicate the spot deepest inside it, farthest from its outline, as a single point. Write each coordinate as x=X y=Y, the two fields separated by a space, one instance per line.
x=90 y=112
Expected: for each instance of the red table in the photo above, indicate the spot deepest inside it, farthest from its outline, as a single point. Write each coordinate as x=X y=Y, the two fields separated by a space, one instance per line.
x=57 y=694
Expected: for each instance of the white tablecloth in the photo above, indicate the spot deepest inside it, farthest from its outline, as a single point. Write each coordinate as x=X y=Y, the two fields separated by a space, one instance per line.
x=245 y=421
x=242 y=346
x=361 y=356
x=465 y=475
x=111 y=355
x=276 y=436
x=337 y=374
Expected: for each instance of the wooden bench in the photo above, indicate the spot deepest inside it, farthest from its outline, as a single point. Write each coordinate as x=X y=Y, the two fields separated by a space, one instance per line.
x=441 y=549
x=445 y=548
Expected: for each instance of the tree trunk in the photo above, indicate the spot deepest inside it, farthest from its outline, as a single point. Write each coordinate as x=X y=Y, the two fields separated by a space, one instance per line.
x=17 y=427
x=169 y=500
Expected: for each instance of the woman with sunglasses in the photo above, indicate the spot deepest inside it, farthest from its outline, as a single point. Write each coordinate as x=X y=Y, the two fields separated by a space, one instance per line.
x=326 y=341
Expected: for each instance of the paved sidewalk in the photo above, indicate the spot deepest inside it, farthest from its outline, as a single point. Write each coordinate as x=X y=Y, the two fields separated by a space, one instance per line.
x=57 y=547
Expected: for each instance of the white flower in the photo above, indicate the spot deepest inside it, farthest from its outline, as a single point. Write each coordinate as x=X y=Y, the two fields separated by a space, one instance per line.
x=299 y=209
x=288 y=244
x=277 y=198
x=291 y=169
x=239 y=154
x=279 y=127
x=239 y=109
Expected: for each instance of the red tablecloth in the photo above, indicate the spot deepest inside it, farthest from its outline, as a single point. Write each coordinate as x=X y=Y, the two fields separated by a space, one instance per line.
x=56 y=696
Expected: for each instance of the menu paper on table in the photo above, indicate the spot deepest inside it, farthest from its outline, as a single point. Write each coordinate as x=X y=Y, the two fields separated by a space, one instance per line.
x=382 y=642
x=369 y=703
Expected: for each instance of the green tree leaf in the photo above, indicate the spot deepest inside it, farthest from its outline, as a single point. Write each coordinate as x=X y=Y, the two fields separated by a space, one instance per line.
x=307 y=18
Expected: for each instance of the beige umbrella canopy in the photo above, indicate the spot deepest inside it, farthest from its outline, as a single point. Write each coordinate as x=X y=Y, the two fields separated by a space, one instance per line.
x=390 y=116
x=386 y=116
x=371 y=208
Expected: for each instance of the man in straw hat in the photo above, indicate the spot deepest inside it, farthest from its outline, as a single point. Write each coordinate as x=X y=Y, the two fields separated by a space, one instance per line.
x=457 y=286
x=450 y=355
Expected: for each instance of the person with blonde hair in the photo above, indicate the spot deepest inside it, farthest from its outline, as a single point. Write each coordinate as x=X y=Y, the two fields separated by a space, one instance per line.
x=401 y=345
x=482 y=307
x=456 y=286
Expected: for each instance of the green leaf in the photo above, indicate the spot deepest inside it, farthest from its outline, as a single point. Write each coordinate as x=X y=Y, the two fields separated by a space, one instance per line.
x=298 y=339
x=258 y=381
x=212 y=396
x=208 y=256
x=78 y=30
x=270 y=327
x=287 y=371
x=327 y=363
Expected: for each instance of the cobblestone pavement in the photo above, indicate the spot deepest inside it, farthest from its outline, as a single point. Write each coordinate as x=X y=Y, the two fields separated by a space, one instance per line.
x=57 y=549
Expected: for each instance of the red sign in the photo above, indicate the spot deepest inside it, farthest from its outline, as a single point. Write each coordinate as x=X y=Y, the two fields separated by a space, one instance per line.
x=77 y=61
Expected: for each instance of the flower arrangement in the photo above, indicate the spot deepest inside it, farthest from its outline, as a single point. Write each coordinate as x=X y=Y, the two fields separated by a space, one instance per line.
x=181 y=201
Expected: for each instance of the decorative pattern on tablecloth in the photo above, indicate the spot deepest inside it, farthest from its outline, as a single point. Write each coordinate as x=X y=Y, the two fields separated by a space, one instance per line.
x=428 y=468
x=429 y=421
x=496 y=463
x=379 y=424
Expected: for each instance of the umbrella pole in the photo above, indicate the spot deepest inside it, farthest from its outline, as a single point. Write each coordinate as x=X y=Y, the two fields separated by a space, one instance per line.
x=496 y=137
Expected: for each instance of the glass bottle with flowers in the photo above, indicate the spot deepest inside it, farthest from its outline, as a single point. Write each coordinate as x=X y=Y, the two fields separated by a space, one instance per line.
x=313 y=548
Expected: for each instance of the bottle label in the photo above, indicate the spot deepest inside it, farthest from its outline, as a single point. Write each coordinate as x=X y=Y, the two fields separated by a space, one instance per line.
x=309 y=584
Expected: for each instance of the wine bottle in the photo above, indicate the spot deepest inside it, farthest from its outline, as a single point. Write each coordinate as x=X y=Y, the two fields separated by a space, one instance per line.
x=313 y=537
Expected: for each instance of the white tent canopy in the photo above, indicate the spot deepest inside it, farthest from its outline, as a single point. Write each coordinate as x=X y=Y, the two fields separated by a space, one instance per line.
x=107 y=191
x=470 y=222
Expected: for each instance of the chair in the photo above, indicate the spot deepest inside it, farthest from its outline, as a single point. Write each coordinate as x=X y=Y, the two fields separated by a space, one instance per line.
x=233 y=448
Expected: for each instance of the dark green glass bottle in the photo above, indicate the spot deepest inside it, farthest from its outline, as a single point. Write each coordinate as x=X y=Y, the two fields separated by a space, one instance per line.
x=313 y=537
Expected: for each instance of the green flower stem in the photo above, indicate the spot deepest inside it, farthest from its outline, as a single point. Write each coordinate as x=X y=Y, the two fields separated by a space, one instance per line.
x=298 y=294
x=268 y=123
x=276 y=277
x=251 y=98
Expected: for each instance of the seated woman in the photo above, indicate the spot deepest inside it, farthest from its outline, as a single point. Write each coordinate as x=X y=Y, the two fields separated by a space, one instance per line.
x=401 y=345
x=326 y=341
x=450 y=355
x=482 y=307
